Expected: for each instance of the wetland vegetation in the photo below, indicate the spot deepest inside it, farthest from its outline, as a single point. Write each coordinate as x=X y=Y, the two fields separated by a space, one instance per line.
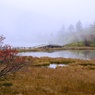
x=52 y=48
x=28 y=75
x=36 y=78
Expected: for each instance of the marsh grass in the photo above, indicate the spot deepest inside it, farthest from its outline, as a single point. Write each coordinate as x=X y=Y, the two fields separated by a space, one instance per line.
x=78 y=78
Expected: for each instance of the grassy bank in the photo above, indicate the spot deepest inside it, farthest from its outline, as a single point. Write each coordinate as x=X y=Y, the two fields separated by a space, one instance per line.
x=77 y=78
x=71 y=46
x=56 y=49
x=82 y=44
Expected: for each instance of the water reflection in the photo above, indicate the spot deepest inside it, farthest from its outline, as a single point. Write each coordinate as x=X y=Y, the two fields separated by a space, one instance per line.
x=80 y=54
x=56 y=65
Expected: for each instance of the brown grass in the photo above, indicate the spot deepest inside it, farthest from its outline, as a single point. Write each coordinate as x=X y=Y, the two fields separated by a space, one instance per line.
x=76 y=79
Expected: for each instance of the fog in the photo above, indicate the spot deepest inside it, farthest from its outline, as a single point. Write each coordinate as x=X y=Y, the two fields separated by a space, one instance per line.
x=35 y=22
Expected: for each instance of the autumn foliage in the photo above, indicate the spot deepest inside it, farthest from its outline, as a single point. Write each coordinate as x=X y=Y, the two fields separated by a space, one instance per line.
x=9 y=61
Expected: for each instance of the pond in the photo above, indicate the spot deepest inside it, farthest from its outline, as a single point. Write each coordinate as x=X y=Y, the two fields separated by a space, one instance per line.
x=56 y=65
x=80 y=54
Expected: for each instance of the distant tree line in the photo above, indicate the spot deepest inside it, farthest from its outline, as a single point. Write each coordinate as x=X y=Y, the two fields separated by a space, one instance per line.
x=77 y=33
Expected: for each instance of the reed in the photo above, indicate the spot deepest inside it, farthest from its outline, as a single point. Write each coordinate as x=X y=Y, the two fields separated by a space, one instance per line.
x=77 y=78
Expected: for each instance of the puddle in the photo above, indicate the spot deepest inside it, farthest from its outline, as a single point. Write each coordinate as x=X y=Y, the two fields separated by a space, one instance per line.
x=56 y=65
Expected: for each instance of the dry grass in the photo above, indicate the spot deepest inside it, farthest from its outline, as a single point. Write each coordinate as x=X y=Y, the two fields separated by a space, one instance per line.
x=76 y=79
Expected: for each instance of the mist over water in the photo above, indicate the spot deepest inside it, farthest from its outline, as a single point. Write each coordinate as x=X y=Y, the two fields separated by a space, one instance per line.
x=34 y=22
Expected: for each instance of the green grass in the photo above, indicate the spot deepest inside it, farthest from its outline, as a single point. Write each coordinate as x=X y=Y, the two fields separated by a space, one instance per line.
x=80 y=44
x=75 y=44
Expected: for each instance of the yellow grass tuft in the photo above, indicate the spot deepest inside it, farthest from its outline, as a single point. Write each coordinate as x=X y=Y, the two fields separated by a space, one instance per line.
x=78 y=78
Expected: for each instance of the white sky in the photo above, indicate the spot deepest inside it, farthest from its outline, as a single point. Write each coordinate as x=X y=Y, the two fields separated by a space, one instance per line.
x=56 y=8
x=38 y=17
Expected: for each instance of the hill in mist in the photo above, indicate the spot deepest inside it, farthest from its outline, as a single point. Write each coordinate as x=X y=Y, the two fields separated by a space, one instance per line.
x=86 y=37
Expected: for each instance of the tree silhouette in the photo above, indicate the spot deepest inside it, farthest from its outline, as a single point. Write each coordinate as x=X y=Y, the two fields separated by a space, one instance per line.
x=71 y=28
x=79 y=26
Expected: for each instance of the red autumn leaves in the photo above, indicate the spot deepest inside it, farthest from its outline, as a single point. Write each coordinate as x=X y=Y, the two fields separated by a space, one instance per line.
x=9 y=61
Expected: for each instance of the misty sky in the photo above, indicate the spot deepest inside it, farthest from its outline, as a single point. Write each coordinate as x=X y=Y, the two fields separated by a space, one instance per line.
x=25 y=22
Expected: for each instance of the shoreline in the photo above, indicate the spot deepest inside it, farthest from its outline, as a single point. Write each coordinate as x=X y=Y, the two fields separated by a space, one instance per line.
x=54 y=49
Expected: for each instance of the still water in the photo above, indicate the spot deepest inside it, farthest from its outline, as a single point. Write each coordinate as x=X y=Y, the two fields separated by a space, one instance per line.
x=56 y=65
x=80 y=54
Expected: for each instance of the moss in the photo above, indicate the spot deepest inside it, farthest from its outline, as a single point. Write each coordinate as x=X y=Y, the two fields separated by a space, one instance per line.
x=3 y=78
x=87 y=64
x=7 y=84
x=92 y=67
